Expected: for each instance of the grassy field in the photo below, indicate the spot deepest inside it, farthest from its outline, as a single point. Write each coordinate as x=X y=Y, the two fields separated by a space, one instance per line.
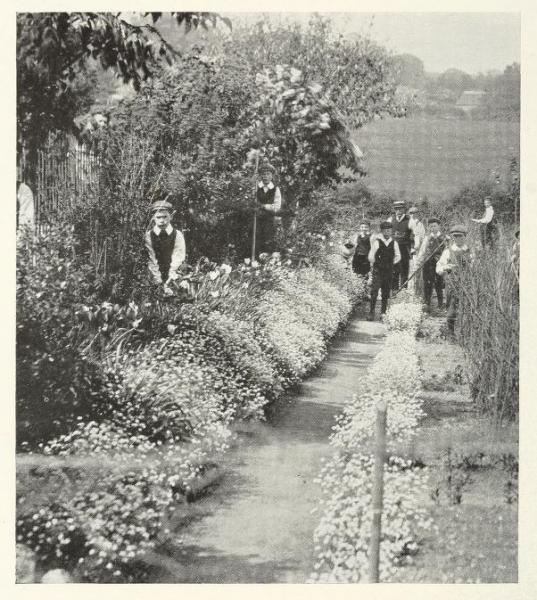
x=431 y=157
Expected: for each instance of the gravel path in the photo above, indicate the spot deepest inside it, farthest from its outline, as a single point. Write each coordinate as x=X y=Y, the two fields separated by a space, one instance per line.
x=257 y=525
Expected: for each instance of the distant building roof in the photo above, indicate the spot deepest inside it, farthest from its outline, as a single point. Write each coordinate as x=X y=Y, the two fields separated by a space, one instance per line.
x=471 y=98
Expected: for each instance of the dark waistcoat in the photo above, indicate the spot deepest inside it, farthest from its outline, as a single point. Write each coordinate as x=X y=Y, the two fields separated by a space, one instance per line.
x=266 y=197
x=363 y=245
x=401 y=231
x=384 y=256
x=163 y=248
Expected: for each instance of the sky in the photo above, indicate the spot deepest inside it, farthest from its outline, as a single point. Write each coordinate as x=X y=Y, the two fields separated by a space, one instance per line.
x=472 y=42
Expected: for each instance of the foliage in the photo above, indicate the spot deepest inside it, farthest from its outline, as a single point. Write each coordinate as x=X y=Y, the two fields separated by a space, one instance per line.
x=355 y=74
x=53 y=52
x=489 y=326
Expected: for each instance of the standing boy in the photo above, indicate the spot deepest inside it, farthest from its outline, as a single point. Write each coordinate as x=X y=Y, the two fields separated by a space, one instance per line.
x=360 y=261
x=449 y=265
x=488 y=224
x=269 y=201
x=384 y=254
x=403 y=236
x=165 y=246
x=418 y=235
x=430 y=251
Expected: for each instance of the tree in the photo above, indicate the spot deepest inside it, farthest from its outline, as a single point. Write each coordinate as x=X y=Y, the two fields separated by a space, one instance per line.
x=409 y=70
x=455 y=80
x=53 y=50
x=357 y=75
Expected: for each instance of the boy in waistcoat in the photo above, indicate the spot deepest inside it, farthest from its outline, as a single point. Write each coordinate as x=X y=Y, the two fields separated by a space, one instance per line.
x=165 y=246
x=449 y=265
x=269 y=201
x=402 y=234
x=430 y=251
x=360 y=260
x=384 y=254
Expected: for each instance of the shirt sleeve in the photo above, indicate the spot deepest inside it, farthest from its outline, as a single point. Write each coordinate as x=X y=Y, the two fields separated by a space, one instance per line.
x=152 y=264
x=422 y=253
x=373 y=251
x=178 y=255
x=443 y=262
x=489 y=214
x=397 y=253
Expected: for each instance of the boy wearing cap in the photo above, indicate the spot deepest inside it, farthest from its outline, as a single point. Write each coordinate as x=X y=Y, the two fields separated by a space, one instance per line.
x=449 y=265
x=430 y=251
x=165 y=246
x=488 y=224
x=269 y=200
x=360 y=261
x=384 y=254
x=402 y=234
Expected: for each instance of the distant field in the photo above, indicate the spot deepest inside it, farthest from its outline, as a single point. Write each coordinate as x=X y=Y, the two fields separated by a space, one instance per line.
x=418 y=157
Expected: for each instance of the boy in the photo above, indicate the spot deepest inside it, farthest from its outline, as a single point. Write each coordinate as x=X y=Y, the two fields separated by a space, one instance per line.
x=403 y=236
x=449 y=265
x=165 y=246
x=384 y=254
x=430 y=251
x=488 y=224
x=269 y=200
x=418 y=235
x=360 y=261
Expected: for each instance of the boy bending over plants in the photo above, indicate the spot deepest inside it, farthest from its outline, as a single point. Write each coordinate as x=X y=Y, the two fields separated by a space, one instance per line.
x=165 y=246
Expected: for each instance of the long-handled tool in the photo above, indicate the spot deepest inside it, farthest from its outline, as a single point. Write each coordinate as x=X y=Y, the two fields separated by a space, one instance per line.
x=254 y=230
x=446 y=239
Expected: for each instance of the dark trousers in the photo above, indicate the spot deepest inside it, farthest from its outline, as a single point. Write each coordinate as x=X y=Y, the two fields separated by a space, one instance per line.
x=361 y=265
x=382 y=280
x=400 y=270
x=488 y=233
x=432 y=280
x=452 y=308
x=265 y=234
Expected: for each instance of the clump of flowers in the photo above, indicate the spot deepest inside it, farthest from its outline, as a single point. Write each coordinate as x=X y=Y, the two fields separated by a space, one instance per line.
x=342 y=537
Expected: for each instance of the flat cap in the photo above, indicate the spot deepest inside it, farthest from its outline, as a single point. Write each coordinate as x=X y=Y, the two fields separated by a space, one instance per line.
x=399 y=203
x=161 y=205
x=458 y=229
x=386 y=225
x=433 y=220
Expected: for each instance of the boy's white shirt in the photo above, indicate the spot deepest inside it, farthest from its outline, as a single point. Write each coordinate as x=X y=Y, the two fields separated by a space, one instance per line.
x=423 y=248
x=375 y=247
x=178 y=254
x=277 y=204
x=487 y=217
x=444 y=261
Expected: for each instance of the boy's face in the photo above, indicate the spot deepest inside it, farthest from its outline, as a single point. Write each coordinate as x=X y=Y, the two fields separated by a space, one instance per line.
x=434 y=228
x=162 y=218
x=399 y=212
x=266 y=177
x=364 y=229
x=459 y=239
x=387 y=232
x=487 y=203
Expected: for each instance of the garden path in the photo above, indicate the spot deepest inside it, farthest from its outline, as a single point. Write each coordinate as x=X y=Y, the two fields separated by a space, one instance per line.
x=257 y=525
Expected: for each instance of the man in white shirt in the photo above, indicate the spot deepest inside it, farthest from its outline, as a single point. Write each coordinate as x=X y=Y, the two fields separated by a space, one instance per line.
x=418 y=234
x=488 y=224
x=449 y=265
x=384 y=254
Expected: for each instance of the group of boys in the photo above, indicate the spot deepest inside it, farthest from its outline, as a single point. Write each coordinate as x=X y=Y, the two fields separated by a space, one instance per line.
x=385 y=259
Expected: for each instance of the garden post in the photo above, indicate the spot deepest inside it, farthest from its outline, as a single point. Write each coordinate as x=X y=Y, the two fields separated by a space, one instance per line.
x=378 y=492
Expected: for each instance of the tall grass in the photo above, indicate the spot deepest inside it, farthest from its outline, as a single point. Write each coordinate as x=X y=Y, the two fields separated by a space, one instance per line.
x=489 y=325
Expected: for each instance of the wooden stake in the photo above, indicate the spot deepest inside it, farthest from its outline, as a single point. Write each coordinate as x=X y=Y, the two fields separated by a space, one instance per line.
x=254 y=231
x=378 y=492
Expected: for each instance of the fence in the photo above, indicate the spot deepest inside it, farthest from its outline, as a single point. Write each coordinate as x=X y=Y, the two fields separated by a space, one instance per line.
x=56 y=173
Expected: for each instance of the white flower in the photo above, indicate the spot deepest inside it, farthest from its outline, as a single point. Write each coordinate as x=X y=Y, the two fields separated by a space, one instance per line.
x=226 y=269
x=213 y=275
